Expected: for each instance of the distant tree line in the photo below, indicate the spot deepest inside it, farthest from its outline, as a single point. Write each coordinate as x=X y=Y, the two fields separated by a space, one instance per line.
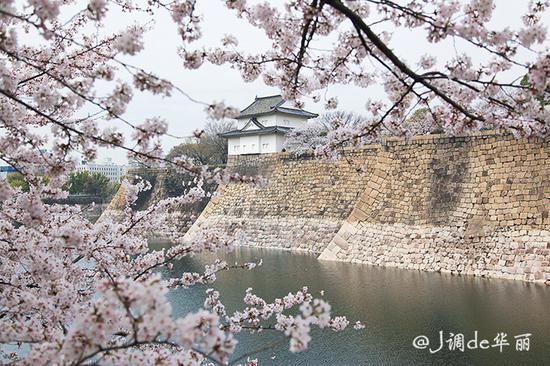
x=78 y=183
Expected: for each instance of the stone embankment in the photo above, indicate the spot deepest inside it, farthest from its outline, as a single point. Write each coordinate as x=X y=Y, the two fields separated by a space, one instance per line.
x=301 y=208
x=466 y=205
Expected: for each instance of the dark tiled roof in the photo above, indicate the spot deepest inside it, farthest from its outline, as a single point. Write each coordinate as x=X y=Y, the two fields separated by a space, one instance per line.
x=261 y=131
x=299 y=112
x=262 y=105
x=271 y=104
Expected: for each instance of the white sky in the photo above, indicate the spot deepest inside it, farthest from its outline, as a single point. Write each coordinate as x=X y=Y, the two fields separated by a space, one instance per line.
x=210 y=82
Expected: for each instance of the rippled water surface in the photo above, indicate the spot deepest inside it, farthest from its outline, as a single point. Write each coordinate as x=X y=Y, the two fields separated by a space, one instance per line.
x=397 y=306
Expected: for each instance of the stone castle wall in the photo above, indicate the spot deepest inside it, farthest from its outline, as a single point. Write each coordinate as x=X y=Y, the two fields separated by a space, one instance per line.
x=301 y=208
x=466 y=205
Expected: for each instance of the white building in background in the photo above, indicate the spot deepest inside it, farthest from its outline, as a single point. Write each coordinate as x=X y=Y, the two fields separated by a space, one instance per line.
x=108 y=168
x=261 y=127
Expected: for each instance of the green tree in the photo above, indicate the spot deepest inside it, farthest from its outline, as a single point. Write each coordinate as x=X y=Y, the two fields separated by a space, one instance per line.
x=17 y=180
x=210 y=149
x=94 y=184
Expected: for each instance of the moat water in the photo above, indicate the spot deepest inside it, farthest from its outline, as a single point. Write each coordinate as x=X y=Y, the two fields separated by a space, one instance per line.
x=396 y=305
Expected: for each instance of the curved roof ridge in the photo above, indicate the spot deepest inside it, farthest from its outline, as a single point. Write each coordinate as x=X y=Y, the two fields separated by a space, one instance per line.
x=269 y=104
x=269 y=96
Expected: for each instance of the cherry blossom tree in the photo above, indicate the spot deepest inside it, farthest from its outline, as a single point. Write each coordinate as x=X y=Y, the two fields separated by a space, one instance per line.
x=306 y=138
x=460 y=94
x=341 y=126
x=316 y=133
x=75 y=292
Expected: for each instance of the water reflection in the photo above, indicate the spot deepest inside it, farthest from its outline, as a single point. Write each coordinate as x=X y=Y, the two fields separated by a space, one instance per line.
x=397 y=305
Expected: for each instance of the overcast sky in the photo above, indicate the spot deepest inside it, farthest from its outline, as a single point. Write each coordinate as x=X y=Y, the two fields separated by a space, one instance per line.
x=222 y=83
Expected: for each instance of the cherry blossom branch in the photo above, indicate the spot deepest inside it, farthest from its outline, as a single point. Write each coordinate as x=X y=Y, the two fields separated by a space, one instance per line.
x=136 y=343
x=267 y=347
x=358 y=21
